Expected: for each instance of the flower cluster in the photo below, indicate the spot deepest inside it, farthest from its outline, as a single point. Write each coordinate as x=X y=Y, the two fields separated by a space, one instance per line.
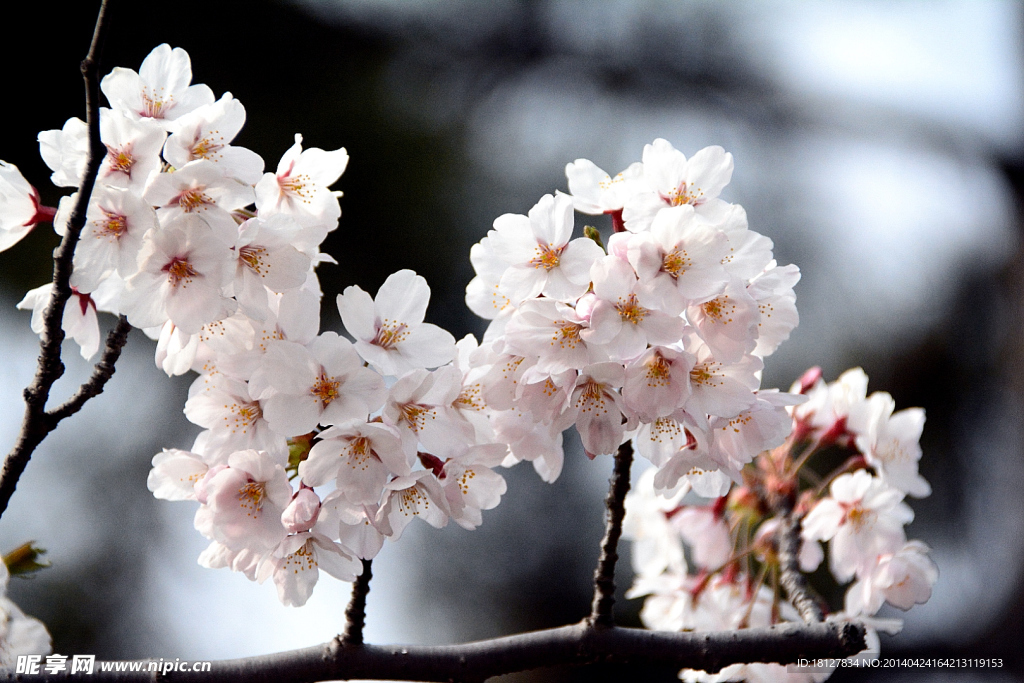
x=317 y=447
x=660 y=338
x=709 y=566
x=309 y=457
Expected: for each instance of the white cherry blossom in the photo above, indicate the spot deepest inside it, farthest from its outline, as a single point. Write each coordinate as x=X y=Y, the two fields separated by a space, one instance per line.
x=679 y=261
x=244 y=502
x=417 y=495
x=903 y=579
x=542 y=257
x=160 y=91
x=115 y=224
x=296 y=562
x=175 y=473
x=183 y=270
x=207 y=132
x=863 y=518
x=133 y=150
x=618 y=320
x=360 y=457
x=673 y=180
x=322 y=383
x=19 y=206
x=300 y=188
x=199 y=189
x=66 y=151
x=78 y=321
x=594 y=191
x=389 y=331
x=267 y=260
x=889 y=441
x=470 y=483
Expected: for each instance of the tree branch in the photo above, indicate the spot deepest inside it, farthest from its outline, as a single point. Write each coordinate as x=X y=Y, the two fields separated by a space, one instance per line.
x=355 y=614
x=604 y=575
x=791 y=578
x=36 y=424
x=575 y=645
x=101 y=374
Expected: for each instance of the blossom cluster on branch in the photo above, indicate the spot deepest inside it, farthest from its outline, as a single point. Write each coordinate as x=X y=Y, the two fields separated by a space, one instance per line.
x=719 y=565
x=317 y=447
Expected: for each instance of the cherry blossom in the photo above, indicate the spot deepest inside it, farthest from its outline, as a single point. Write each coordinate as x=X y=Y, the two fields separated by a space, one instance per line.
x=416 y=495
x=161 y=89
x=389 y=331
x=296 y=562
x=133 y=150
x=79 y=320
x=267 y=260
x=300 y=187
x=679 y=261
x=863 y=518
x=673 y=180
x=618 y=320
x=903 y=579
x=244 y=502
x=199 y=189
x=889 y=441
x=19 y=206
x=115 y=224
x=541 y=256
x=207 y=132
x=321 y=383
x=66 y=151
x=594 y=191
x=360 y=457
x=183 y=269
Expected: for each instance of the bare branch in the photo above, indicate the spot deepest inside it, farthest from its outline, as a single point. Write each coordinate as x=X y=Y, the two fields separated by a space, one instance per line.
x=355 y=614
x=36 y=424
x=101 y=373
x=791 y=578
x=575 y=645
x=604 y=575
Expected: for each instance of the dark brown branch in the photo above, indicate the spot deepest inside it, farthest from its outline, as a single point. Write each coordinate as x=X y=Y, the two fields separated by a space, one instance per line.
x=36 y=424
x=574 y=645
x=791 y=578
x=604 y=575
x=355 y=614
x=101 y=374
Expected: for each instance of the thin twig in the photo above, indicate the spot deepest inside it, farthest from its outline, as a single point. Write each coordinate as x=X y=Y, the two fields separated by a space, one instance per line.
x=36 y=424
x=604 y=575
x=355 y=614
x=101 y=374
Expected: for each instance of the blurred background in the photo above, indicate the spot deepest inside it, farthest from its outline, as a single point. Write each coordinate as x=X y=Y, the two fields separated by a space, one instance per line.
x=879 y=144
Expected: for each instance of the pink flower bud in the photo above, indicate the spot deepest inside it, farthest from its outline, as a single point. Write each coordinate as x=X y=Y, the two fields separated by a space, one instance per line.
x=301 y=513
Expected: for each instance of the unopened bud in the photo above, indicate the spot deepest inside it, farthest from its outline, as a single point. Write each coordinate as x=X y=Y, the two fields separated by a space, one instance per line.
x=809 y=379
x=302 y=512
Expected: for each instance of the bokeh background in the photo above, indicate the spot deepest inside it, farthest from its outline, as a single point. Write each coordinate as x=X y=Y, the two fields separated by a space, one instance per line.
x=879 y=144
